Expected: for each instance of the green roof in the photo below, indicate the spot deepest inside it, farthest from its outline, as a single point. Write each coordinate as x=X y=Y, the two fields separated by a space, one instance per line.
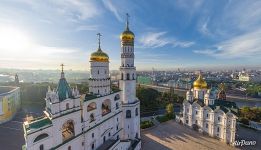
x=64 y=90
x=40 y=122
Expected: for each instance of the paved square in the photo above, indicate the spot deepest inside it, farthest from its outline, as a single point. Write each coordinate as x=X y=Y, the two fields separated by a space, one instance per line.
x=171 y=135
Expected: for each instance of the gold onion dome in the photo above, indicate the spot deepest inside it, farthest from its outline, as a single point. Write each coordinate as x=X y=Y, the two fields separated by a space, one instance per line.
x=99 y=55
x=200 y=83
x=127 y=34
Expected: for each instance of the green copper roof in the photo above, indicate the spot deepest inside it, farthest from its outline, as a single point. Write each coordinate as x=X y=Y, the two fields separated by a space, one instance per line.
x=38 y=123
x=63 y=89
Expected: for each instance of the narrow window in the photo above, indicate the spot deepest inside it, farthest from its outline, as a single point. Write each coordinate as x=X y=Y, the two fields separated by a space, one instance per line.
x=41 y=147
x=69 y=148
x=67 y=105
x=104 y=139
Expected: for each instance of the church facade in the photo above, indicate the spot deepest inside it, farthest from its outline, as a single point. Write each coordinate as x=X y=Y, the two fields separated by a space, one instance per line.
x=207 y=111
x=102 y=119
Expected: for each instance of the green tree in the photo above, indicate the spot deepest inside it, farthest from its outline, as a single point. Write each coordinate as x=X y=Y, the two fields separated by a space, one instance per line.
x=170 y=108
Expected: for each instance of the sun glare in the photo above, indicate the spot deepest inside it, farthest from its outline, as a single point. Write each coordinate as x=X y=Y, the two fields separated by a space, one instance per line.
x=13 y=39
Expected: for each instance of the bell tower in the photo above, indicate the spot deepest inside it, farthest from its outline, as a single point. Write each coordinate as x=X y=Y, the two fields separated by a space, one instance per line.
x=130 y=104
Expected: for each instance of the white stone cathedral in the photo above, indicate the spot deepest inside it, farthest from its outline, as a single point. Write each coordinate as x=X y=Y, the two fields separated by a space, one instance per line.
x=207 y=111
x=103 y=119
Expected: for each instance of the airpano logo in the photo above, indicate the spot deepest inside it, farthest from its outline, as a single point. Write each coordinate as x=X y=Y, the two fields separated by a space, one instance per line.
x=244 y=142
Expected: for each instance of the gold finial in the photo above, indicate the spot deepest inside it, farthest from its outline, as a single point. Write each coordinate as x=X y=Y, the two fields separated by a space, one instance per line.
x=62 y=65
x=127 y=21
x=99 y=40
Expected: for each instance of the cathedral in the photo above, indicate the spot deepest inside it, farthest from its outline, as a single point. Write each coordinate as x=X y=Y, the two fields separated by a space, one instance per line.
x=102 y=119
x=207 y=111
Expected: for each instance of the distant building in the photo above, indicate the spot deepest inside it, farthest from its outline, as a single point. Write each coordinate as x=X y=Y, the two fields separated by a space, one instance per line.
x=9 y=102
x=180 y=83
x=144 y=80
x=16 y=80
x=205 y=112
x=250 y=77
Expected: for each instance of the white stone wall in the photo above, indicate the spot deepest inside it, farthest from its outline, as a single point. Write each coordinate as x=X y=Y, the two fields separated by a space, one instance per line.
x=99 y=82
x=216 y=123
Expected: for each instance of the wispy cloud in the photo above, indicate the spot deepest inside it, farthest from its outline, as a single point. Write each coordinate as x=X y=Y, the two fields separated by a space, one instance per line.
x=247 y=45
x=110 y=6
x=159 y=39
x=87 y=28
x=203 y=27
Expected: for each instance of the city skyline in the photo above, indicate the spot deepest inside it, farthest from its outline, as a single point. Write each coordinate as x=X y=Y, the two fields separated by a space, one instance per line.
x=173 y=34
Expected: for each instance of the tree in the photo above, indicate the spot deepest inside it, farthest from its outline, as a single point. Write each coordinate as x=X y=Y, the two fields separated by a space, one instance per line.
x=170 y=108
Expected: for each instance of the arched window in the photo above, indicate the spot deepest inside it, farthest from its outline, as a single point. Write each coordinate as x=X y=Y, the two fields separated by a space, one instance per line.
x=92 y=146
x=136 y=112
x=122 y=76
x=91 y=106
x=92 y=117
x=117 y=97
x=68 y=130
x=106 y=107
x=128 y=114
x=133 y=78
x=69 y=148
x=40 y=137
x=104 y=139
x=117 y=105
x=137 y=135
x=98 y=72
x=41 y=147
x=67 y=105
x=98 y=91
x=128 y=76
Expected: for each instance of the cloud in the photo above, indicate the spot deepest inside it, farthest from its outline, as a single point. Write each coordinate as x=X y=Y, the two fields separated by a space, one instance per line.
x=87 y=28
x=203 y=28
x=243 y=46
x=159 y=39
x=110 y=6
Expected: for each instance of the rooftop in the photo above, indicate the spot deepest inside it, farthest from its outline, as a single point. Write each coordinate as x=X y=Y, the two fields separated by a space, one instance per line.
x=109 y=143
x=37 y=123
x=7 y=89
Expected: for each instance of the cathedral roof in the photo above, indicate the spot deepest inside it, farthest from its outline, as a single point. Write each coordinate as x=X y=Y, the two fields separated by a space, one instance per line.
x=200 y=83
x=127 y=34
x=63 y=90
x=38 y=123
x=99 y=55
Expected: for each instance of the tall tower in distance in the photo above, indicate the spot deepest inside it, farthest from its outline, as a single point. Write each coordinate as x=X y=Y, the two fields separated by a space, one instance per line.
x=130 y=104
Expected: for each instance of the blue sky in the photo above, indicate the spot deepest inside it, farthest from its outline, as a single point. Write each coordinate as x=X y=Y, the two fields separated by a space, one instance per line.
x=169 y=34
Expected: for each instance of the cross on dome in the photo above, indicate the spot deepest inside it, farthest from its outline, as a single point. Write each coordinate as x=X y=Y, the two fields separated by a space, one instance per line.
x=99 y=40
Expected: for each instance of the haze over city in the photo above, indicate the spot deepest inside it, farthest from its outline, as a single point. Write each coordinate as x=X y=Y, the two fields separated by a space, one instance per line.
x=169 y=34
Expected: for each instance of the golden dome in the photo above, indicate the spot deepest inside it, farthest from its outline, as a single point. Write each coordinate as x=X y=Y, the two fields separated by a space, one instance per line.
x=99 y=56
x=200 y=83
x=127 y=35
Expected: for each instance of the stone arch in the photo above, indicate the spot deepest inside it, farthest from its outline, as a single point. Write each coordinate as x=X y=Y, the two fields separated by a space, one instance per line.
x=117 y=97
x=91 y=106
x=68 y=130
x=40 y=137
x=106 y=107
